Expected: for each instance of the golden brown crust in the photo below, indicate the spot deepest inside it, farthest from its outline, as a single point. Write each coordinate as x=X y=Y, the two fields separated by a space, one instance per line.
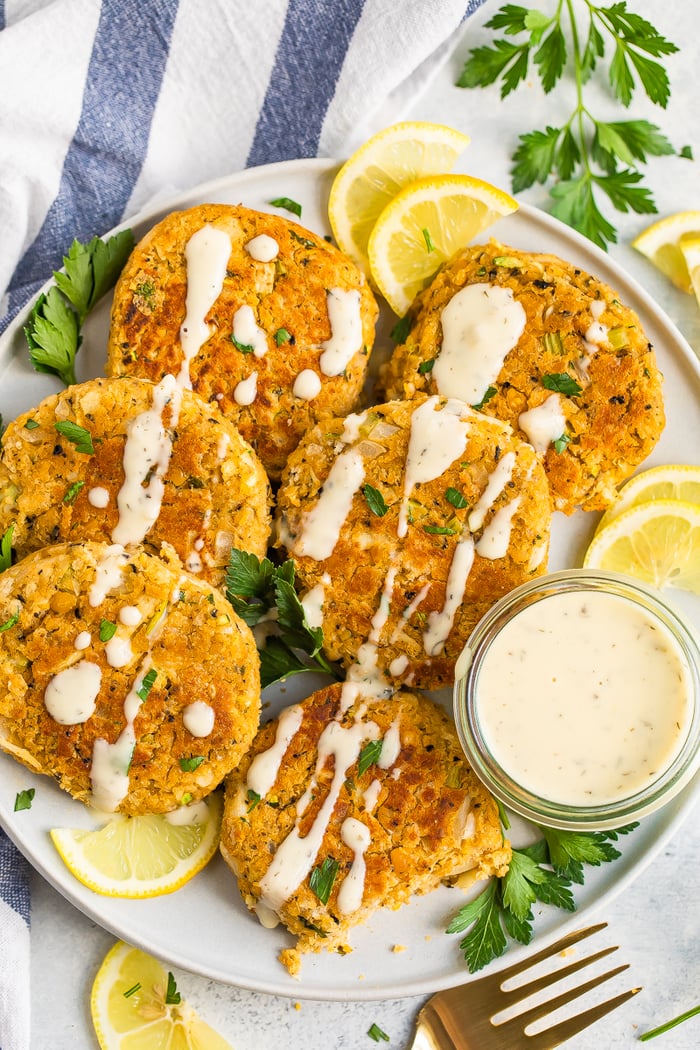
x=353 y=578
x=216 y=491
x=428 y=816
x=287 y=295
x=612 y=425
x=49 y=593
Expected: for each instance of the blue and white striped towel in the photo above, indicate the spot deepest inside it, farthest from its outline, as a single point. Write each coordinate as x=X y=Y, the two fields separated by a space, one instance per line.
x=105 y=105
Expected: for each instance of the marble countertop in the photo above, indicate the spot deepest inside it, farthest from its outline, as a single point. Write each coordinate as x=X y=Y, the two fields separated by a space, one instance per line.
x=656 y=921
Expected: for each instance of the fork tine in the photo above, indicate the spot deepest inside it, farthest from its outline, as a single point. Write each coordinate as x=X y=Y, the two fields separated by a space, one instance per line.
x=559 y=1033
x=523 y=991
x=553 y=949
x=522 y=1020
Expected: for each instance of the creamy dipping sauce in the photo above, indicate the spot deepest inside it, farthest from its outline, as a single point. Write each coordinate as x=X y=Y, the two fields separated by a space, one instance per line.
x=584 y=698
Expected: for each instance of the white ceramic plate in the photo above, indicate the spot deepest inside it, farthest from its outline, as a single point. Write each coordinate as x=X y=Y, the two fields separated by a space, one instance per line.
x=204 y=927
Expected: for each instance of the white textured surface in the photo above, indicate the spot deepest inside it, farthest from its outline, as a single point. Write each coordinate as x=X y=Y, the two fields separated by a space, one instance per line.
x=656 y=921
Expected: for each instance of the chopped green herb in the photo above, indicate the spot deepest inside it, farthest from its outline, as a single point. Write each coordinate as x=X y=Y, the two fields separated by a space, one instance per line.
x=132 y=991
x=670 y=1024
x=282 y=336
x=172 y=996
x=53 y=328
x=147 y=684
x=107 y=630
x=562 y=383
x=553 y=343
x=561 y=442
x=73 y=491
x=508 y=260
x=401 y=329
x=188 y=765
x=584 y=156
x=306 y=241
x=375 y=1032
x=245 y=348
x=455 y=497
x=288 y=204
x=24 y=799
x=31 y=424
x=426 y=366
x=428 y=240
x=441 y=530
x=491 y=391
x=375 y=500
x=6 y=548
x=78 y=436
x=186 y=799
x=9 y=623
x=542 y=872
x=369 y=755
x=253 y=799
x=322 y=878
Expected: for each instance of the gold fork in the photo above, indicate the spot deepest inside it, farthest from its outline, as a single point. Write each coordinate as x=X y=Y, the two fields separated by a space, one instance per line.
x=461 y=1018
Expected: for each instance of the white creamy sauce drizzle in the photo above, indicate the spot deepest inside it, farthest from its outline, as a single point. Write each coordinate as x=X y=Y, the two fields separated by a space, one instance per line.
x=82 y=640
x=597 y=333
x=537 y=557
x=247 y=332
x=440 y=623
x=370 y=796
x=495 y=538
x=543 y=424
x=206 y=254
x=198 y=718
x=146 y=458
x=398 y=665
x=118 y=651
x=295 y=855
x=357 y=837
x=391 y=746
x=130 y=615
x=264 y=768
x=312 y=602
x=346 y=331
x=109 y=773
x=245 y=392
x=583 y=698
x=307 y=385
x=322 y=524
x=438 y=437
x=109 y=573
x=222 y=446
x=480 y=325
x=498 y=479
x=409 y=611
x=70 y=696
x=263 y=248
x=194 y=813
x=98 y=497
x=352 y=426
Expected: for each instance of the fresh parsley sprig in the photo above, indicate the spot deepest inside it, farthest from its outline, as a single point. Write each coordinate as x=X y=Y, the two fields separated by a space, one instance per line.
x=260 y=591
x=53 y=329
x=541 y=872
x=585 y=156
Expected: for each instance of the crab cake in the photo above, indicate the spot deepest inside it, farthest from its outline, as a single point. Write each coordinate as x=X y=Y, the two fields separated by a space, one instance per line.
x=264 y=317
x=339 y=810
x=550 y=349
x=406 y=523
x=81 y=466
x=130 y=682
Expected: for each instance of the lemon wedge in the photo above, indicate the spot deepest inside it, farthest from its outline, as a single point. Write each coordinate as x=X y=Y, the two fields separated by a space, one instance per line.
x=135 y=1005
x=690 y=249
x=425 y=224
x=656 y=541
x=144 y=856
x=670 y=481
x=660 y=243
x=376 y=172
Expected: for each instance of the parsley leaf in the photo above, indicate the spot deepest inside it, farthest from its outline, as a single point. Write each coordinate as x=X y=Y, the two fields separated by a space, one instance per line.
x=107 y=630
x=375 y=1032
x=147 y=683
x=288 y=204
x=375 y=500
x=584 y=157
x=282 y=336
x=562 y=383
x=541 y=872
x=53 y=328
x=369 y=755
x=172 y=996
x=455 y=497
x=10 y=622
x=6 y=548
x=491 y=391
x=24 y=799
x=188 y=765
x=322 y=878
x=72 y=491
x=78 y=436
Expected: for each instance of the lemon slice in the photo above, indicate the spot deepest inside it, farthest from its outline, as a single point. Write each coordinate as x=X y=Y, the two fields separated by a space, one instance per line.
x=671 y=481
x=130 y=1011
x=690 y=249
x=657 y=541
x=376 y=172
x=425 y=224
x=660 y=244
x=143 y=856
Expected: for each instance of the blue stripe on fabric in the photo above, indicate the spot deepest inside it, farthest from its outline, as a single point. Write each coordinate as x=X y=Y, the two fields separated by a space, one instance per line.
x=2 y=14
x=104 y=159
x=14 y=878
x=308 y=62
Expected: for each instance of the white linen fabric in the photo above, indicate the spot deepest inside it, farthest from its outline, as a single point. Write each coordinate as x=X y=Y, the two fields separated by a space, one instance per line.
x=105 y=105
